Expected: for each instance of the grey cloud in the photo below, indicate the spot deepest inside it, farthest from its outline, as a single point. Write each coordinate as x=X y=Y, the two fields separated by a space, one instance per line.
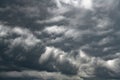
x=58 y=60
x=37 y=75
x=51 y=20
x=17 y=46
x=22 y=13
x=23 y=36
x=66 y=38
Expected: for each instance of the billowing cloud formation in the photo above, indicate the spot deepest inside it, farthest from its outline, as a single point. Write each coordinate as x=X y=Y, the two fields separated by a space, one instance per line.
x=59 y=39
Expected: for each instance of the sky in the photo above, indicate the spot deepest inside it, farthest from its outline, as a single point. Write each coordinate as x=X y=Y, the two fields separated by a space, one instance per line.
x=59 y=40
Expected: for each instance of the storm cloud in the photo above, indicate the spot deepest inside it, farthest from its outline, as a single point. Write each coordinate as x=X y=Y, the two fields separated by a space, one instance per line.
x=59 y=40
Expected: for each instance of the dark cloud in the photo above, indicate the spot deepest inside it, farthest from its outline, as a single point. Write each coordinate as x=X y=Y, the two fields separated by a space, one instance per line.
x=59 y=39
x=22 y=13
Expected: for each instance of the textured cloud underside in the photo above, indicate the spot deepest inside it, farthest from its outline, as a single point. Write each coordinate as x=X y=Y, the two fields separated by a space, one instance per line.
x=59 y=39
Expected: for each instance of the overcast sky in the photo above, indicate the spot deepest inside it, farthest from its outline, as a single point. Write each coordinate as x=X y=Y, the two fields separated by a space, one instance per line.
x=59 y=40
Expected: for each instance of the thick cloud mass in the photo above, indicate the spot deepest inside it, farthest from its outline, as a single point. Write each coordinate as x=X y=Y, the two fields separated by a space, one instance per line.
x=59 y=40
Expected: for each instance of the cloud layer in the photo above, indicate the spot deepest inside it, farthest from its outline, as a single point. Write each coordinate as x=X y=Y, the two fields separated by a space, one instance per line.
x=59 y=39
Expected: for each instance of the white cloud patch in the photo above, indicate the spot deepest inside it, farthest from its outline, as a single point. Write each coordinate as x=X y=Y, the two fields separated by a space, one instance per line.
x=55 y=29
x=25 y=41
x=87 y=4
x=4 y=31
x=113 y=64
x=54 y=53
x=75 y=3
x=20 y=31
x=25 y=37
